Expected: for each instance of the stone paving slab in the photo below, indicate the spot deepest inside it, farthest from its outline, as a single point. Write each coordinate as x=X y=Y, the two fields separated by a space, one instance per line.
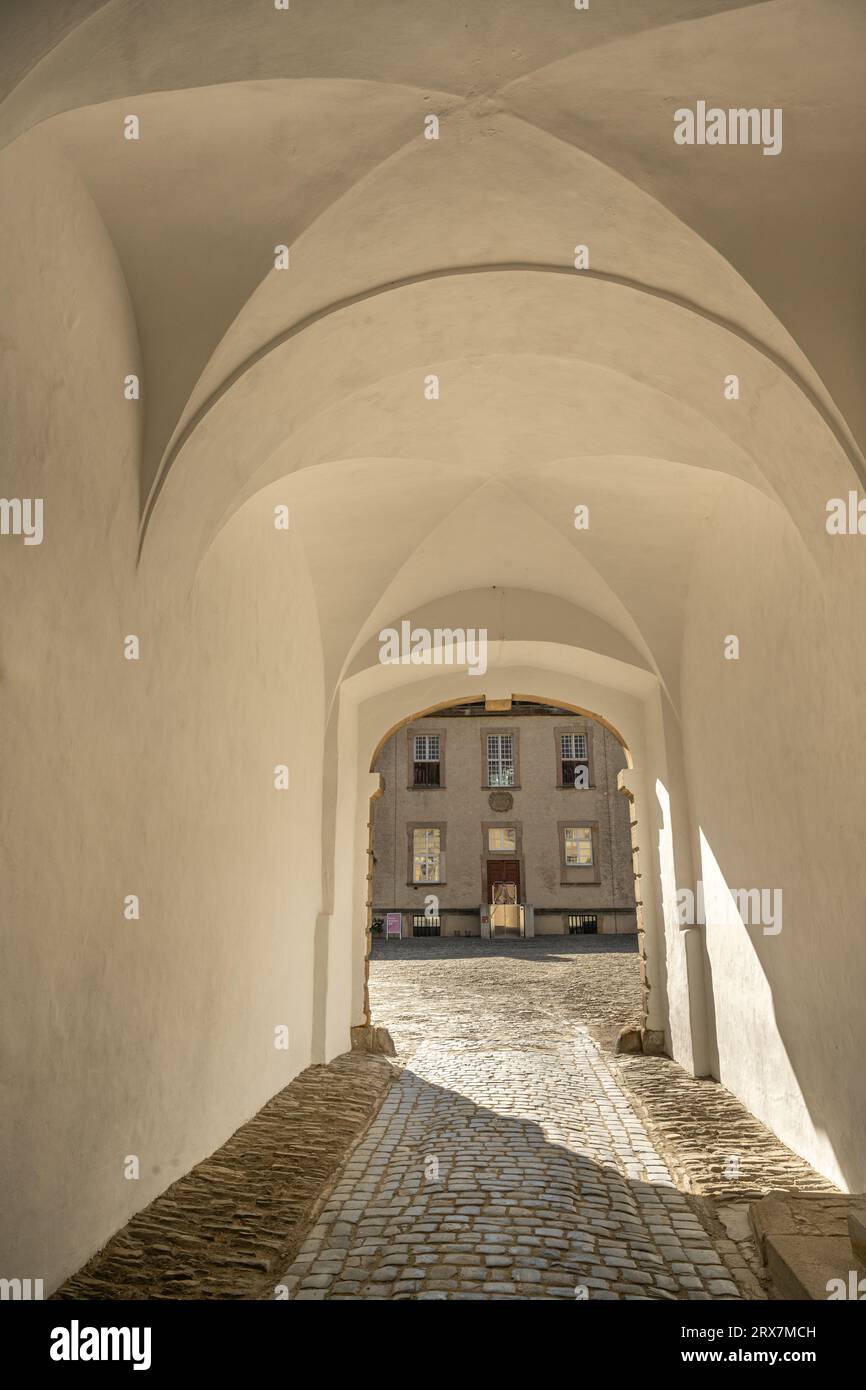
x=508 y=1169
x=809 y=1241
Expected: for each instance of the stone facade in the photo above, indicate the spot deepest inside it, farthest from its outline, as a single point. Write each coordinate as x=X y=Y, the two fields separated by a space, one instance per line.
x=476 y=822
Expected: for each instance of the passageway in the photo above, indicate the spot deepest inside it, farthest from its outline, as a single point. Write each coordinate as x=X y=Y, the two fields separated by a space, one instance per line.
x=333 y=323
x=508 y=1150
x=507 y=1160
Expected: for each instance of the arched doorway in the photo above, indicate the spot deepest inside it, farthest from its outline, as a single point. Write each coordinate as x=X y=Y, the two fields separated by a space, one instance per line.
x=501 y=818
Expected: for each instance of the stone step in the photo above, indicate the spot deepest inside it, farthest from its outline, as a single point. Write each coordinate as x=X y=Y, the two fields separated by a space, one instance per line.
x=812 y=1244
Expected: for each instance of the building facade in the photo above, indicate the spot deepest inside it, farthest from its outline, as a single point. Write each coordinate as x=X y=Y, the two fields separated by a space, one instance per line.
x=502 y=822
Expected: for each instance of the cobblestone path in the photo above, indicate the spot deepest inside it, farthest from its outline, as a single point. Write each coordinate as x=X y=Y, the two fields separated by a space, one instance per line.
x=507 y=1160
x=453 y=989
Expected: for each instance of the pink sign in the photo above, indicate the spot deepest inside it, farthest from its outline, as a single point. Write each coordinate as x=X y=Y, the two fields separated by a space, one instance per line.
x=393 y=923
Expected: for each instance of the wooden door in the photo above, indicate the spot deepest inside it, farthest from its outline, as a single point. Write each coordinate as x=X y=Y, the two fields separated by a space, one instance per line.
x=503 y=880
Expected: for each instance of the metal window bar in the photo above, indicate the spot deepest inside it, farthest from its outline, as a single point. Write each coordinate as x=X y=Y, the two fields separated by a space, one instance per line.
x=570 y=768
x=582 y=924
x=422 y=925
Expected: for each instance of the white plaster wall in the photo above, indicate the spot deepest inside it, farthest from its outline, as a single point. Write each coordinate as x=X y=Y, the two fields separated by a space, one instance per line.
x=773 y=755
x=665 y=862
x=347 y=923
x=152 y=1037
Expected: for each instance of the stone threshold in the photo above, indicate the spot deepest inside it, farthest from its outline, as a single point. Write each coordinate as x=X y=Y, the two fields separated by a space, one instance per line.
x=813 y=1244
x=233 y=1224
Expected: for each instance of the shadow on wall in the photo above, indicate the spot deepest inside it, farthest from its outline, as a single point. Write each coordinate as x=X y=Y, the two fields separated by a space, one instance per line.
x=763 y=1034
x=763 y=1040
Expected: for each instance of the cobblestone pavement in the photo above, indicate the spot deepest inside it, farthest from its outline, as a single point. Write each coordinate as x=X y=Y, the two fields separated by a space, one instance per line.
x=507 y=1160
x=713 y=1144
x=456 y=989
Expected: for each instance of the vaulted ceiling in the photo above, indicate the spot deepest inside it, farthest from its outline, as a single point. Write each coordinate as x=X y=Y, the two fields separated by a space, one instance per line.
x=411 y=257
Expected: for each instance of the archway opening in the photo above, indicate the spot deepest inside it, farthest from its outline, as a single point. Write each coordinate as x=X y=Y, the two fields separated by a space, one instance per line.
x=501 y=824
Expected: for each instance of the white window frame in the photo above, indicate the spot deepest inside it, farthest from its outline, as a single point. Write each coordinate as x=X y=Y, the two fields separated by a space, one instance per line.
x=426 y=861
x=503 y=830
x=427 y=748
x=576 y=742
x=580 y=835
x=500 y=769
